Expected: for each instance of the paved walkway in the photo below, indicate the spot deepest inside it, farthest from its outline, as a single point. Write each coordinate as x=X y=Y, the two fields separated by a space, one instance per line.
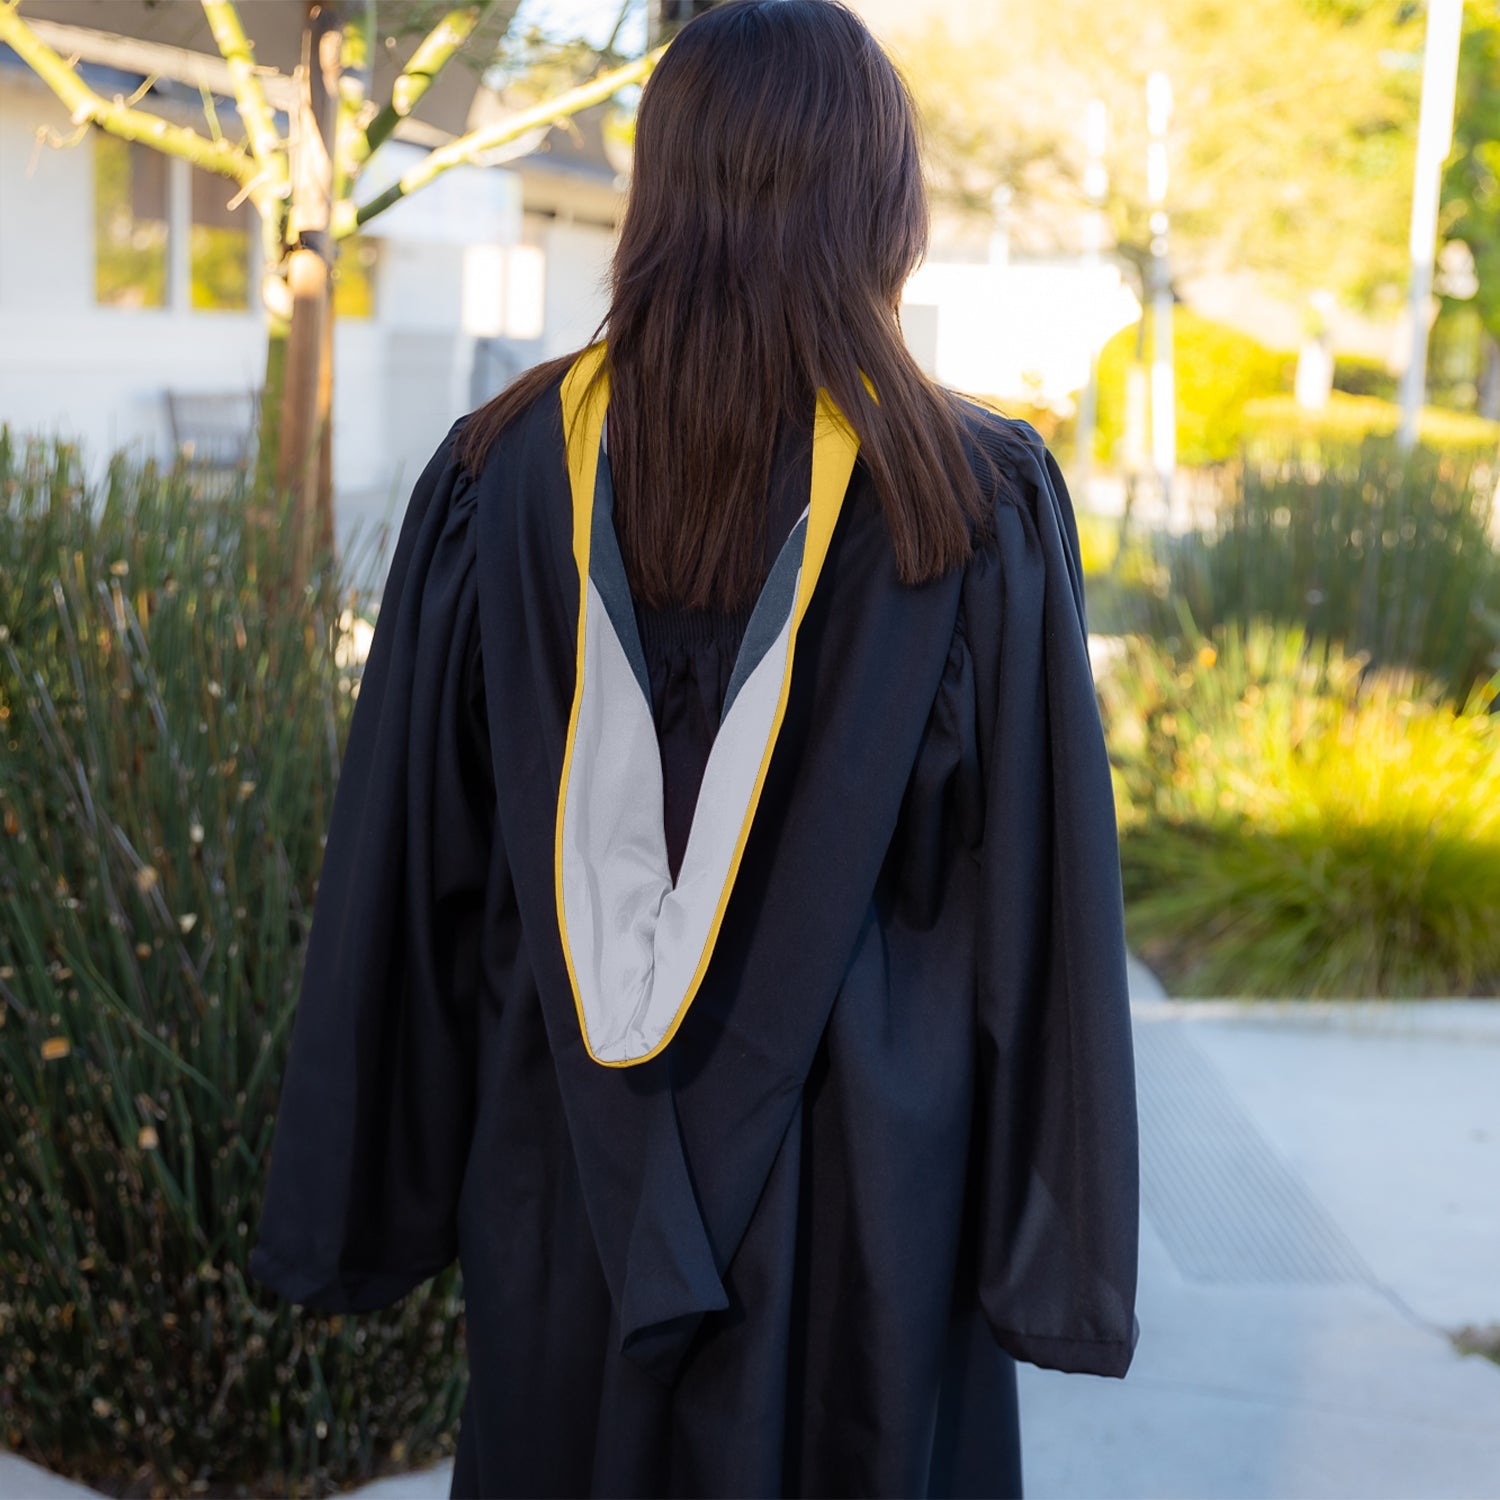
x=1321 y=1204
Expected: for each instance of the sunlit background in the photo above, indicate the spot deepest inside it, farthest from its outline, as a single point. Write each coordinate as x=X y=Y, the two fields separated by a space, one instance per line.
x=1238 y=264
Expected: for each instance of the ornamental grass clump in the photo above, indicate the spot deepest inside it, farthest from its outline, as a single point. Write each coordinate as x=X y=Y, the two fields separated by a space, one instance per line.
x=170 y=731
x=1392 y=553
x=1296 y=824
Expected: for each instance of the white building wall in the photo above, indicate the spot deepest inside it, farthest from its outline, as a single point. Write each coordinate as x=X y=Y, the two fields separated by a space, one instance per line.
x=46 y=207
x=577 y=286
x=68 y=366
x=1017 y=332
x=98 y=375
x=427 y=352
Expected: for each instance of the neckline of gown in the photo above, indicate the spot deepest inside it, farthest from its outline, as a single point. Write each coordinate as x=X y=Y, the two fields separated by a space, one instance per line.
x=676 y=628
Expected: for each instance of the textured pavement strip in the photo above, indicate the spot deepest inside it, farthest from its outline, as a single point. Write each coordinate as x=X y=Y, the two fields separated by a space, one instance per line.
x=1320 y=1191
x=1320 y=1201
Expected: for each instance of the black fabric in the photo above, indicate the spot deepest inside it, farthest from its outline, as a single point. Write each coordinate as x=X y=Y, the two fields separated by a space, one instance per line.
x=892 y=1147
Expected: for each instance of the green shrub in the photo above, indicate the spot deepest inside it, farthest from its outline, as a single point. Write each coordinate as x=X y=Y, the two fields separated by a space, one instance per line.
x=1347 y=419
x=1294 y=824
x=1387 y=552
x=168 y=751
x=1358 y=375
x=1121 y=588
x=1217 y=371
x=1098 y=541
x=1455 y=355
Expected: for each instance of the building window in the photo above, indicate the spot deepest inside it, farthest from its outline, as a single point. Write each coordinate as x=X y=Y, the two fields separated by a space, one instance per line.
x=164 y=234
x=354 y=277
x=219 y=245
x=130 y=223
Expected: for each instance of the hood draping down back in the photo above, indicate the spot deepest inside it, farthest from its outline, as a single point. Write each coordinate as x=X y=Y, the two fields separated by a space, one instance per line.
x=638 y=944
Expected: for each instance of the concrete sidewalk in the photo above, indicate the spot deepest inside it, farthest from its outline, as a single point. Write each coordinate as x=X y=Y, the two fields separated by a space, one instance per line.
x=1320 y=1206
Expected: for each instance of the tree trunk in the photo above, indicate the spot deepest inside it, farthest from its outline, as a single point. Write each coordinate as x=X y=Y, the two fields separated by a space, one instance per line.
x=273 y=388
x=302 y=467
x=323 y=533
x=323 y=541
x=297 y=469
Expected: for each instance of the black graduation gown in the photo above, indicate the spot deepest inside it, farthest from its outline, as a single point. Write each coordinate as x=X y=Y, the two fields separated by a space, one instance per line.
x=890 y=1148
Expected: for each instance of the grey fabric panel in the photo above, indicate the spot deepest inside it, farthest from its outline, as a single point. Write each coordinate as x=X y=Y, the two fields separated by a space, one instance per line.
x=777 y=595
x=614 y=853
x=635 y=939
x=607 y=570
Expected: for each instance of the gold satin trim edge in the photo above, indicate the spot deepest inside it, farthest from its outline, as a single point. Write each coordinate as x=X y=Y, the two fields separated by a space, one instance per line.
x=835 y=447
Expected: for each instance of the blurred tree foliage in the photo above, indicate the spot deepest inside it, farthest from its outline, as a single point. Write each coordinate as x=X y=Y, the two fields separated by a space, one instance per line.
x=1291 y=142
x=1218 y=370
x=1471 y=184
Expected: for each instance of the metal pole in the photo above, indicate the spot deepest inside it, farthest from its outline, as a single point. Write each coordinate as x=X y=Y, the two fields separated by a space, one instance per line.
x=1095 y=186
x=179 y=234
x=1000 y=201
x=1434 y=139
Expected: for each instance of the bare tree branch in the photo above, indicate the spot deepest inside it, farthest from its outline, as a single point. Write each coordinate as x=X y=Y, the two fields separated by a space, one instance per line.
x=250 y=97
x=467 y=147
x=620 y=19
x=355 y=64
x=433 y=54
x=85 y=107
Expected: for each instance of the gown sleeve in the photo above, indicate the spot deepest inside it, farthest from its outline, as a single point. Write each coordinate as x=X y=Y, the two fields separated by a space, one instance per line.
x=377 y=1098
x=1058 y=1188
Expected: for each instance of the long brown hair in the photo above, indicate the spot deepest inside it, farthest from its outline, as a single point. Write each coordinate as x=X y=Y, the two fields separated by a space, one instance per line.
x=776 y=209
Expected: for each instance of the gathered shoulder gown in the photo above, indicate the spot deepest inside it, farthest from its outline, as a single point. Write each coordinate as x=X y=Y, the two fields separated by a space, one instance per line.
x=741 y=1001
